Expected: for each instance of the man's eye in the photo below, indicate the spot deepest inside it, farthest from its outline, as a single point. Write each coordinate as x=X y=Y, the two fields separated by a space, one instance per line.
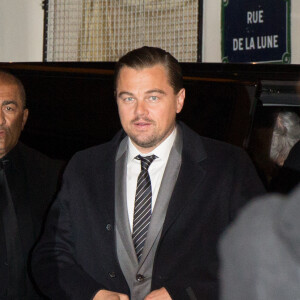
x=153 y=98
x=9 y=108
x=129 y=99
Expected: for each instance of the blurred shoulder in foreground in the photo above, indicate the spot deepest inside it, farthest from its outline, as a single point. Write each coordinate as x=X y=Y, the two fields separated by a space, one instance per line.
x=260 y=251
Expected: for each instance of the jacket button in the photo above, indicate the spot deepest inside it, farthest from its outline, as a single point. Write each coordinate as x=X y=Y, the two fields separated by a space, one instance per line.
x=112 y=274
x=140 y=277
x=108 y=227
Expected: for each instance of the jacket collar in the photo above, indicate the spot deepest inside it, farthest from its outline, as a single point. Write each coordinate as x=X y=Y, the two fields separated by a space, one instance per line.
x=191 y=175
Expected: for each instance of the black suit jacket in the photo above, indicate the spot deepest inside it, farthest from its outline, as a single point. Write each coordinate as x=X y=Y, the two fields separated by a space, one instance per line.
x=32 y=179
x=77 y=253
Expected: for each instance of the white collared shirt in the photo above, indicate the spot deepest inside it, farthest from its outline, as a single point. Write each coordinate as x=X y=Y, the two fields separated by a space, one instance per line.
x=156 y=170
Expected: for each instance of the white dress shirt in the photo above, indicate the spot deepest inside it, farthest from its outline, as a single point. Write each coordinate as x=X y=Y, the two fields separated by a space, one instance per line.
x=156 y=170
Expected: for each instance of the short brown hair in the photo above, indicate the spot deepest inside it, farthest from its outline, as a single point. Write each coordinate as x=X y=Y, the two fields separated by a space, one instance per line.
x=146 y=57
x=9 y=79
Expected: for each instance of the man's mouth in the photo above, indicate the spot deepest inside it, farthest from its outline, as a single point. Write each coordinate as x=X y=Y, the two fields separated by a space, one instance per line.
x=142 y=124
x=2 y=132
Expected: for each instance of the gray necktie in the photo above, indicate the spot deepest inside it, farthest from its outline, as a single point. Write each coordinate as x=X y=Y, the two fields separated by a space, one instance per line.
x=142 y=206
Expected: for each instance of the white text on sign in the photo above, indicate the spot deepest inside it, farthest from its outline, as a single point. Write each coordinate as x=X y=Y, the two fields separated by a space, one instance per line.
x=254 y=17
x=252 y=43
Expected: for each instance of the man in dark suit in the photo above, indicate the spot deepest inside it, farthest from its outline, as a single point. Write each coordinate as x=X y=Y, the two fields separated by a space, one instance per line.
x=139 y=217
x=28 y=182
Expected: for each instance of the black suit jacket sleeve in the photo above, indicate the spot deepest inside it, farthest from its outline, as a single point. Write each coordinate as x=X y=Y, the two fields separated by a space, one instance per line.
x=54 y=268
x=245 y=186
x=76 y=255
x=229 y=183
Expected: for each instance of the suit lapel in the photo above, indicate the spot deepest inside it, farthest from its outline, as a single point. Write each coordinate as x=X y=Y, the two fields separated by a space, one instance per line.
x=106 y=190
x=22 y=198
x=121 y=211
x=164 y=195
x=190 y=177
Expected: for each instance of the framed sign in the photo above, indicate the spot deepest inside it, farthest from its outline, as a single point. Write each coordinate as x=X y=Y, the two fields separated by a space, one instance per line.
x=256 y=31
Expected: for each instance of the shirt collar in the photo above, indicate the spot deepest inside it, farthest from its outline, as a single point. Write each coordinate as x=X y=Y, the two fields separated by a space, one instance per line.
x=162 y=151
x=13 y=158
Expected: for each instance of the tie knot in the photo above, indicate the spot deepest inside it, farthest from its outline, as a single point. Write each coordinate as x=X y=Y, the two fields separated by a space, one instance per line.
x=146 y=161
x=3 y=163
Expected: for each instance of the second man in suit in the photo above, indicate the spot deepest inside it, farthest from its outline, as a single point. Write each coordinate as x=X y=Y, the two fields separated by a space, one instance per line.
x=139 y=217
x=28 y=182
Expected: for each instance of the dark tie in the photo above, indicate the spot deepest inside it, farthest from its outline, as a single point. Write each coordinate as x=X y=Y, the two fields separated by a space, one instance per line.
x=15 y=257
x=142 y=206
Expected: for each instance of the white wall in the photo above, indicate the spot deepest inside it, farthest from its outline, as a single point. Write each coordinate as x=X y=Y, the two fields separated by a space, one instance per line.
x=21 y=30
x=211 y=47
x=212 y=31
x=295 y=36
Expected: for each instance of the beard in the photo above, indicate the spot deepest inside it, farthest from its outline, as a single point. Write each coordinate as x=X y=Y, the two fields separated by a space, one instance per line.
x=148 y=142
x=151 y=140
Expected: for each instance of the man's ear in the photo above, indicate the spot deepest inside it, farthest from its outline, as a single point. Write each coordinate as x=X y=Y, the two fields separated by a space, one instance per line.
x=180 y=100
x=25 y=117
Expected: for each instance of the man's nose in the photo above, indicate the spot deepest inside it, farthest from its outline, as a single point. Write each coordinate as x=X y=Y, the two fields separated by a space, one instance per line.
x=141 y=108
x=2 y=117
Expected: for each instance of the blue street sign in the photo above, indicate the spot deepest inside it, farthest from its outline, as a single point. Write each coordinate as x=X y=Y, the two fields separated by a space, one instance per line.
x=256 y=31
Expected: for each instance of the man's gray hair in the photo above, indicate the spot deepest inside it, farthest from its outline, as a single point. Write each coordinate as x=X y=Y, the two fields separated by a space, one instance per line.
x=286 y=134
